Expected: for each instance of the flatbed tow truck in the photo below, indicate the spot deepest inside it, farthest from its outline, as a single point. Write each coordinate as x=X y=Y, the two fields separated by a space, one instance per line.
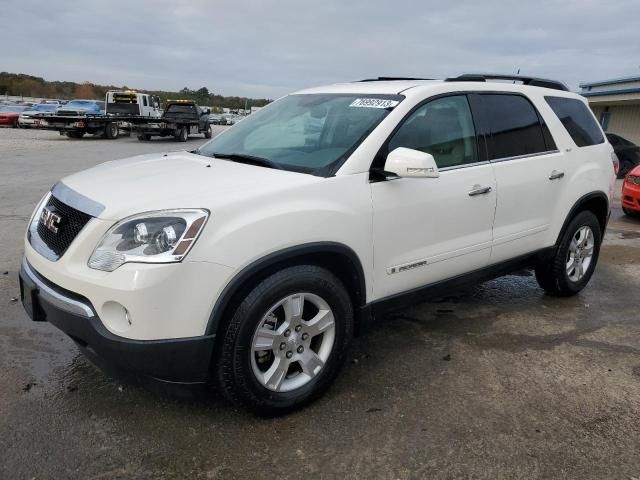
x=120 y=108
x=179 y=119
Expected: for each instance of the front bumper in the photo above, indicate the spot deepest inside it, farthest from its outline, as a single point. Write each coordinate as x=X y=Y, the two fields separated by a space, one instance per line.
x=182 y=360
x=631 y=196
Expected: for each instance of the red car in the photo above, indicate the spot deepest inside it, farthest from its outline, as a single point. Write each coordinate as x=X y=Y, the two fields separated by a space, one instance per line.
x=9 y=114
x=631 y=192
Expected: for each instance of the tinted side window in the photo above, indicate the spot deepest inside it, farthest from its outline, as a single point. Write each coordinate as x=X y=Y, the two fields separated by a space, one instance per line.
x=443 y=128
x=514 y=125
x=577 y=119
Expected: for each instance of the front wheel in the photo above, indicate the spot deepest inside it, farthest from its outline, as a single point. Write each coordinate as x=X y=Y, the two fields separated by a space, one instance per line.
x=630 y=213
x=286 y=340
x=111 y=130
x=75 y=134
x=575 y=259
x=208 y=133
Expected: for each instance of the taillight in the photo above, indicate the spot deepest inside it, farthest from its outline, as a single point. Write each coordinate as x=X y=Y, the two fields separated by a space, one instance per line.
x=616 y=162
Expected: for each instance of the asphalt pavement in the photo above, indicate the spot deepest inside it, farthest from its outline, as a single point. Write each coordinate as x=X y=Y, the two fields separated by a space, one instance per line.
x=497 y=381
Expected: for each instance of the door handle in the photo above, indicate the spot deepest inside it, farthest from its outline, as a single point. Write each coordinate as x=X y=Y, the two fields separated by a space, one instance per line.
x=479 y=190
x=555 y=175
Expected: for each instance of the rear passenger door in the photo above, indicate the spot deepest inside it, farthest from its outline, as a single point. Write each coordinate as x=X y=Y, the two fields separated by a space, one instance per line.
x=529 y=172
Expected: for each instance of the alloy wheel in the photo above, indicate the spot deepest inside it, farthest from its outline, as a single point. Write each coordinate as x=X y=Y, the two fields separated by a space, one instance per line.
x=580 y=253
x=292 y=342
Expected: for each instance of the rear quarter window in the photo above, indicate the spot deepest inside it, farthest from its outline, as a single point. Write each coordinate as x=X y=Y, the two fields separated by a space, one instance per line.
x=577 y=120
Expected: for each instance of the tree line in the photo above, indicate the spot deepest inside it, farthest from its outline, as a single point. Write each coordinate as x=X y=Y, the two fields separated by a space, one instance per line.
x=30 y=86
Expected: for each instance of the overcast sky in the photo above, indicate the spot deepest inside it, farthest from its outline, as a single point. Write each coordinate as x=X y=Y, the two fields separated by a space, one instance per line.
x=265 y=48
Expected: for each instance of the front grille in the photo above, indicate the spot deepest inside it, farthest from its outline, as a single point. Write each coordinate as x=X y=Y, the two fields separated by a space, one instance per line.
x=72 y=221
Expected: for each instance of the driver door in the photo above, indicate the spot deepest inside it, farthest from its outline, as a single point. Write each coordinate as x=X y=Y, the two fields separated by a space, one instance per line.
x=430 y=229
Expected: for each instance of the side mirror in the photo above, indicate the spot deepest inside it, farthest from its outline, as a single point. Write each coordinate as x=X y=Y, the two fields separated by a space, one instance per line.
x=406 y=162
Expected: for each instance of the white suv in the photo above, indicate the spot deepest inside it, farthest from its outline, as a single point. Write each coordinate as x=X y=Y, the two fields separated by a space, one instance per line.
x=252 y=261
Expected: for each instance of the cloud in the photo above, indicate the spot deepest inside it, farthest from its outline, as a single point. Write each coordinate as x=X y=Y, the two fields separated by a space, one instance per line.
x=268 y=48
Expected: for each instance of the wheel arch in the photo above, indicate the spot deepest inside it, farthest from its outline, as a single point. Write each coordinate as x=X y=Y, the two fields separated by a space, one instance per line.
x=596 y=202
x=338 y=258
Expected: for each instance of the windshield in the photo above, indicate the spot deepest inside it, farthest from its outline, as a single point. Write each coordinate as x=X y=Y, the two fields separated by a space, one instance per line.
x=306 y=133
x=80 y=103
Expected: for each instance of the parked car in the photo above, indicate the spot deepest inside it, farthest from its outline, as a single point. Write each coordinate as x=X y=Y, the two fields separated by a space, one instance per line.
x=26 y=119
x=628 y=153
x=9 y=114
x=215 y=119
x=631 y=193
x=82 y=107
x=252 y=261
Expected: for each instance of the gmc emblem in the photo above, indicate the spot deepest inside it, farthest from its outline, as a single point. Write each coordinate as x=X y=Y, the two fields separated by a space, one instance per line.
x=50 y=219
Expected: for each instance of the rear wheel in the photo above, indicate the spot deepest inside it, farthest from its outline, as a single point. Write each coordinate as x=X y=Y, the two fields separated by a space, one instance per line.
x=286 y=340
x=182 y=135
x=575 y=259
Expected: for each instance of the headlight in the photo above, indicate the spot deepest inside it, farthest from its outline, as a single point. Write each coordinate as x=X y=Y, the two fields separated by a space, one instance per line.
x=154 y=237
x=633 y=179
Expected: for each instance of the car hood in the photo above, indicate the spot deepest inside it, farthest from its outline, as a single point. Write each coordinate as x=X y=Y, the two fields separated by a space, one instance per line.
x=177 y=180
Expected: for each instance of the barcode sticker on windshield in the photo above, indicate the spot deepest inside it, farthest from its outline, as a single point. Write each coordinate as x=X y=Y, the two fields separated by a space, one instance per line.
x=374 y=103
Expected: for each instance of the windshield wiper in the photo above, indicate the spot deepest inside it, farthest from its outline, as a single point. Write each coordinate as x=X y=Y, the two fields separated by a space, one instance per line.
x=250 y=159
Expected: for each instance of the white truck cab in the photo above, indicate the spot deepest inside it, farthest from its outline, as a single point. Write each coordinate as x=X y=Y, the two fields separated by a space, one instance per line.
x=130 y=102
x=252 y=261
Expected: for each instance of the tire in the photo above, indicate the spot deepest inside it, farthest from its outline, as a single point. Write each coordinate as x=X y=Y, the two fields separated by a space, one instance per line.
x=76 y=135
x=111 y=130
x=630 y=213
x=208 y=133
x=243 y=374
x=145 y=137
x=182 y=135
x=561 y=278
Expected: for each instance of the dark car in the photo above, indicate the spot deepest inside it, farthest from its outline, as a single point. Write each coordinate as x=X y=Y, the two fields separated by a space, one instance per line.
x=628 y=153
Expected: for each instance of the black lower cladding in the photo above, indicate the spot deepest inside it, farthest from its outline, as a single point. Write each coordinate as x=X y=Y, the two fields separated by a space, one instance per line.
x=182 y=360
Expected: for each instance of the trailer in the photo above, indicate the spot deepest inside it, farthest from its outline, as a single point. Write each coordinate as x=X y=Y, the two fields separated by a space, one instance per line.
x=180 y=119
x=120 y=108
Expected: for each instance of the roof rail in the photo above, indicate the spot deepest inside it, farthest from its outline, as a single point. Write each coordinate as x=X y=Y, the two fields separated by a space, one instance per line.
x=388 y=79
x=532 y=81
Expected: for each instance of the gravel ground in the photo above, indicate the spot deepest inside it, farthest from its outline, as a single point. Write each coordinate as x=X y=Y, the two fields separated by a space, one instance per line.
x=497 y=381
